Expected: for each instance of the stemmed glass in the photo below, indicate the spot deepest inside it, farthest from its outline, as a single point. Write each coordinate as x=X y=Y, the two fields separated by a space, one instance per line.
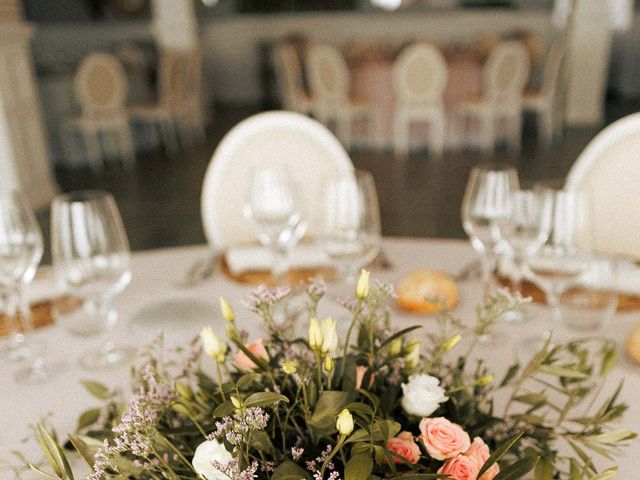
x=486 y=208
x=351 y=233
x=273 y=205
x=21 y=249
x=91 y=263
x=564 y=258
x=525 y=232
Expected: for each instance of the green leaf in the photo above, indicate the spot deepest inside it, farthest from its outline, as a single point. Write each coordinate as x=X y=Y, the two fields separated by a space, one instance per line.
x=613 y=437
x=88 y=418
x=499 y=452
x=399 y=334
x=518 y=469
x=247 y=379
x=563 y=372
x=96 y=389
x=263 y=399
x=260 y=441
x=359 y=467
x=544 y=469
x=224 y=409
x=289 y=470
x=54 y=454
x=87 y=447
x=608 y=474
x=330 y=404
x=511 y=373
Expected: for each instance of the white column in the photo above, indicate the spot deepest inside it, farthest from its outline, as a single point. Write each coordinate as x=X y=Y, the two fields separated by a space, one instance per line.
x=175 y=24
x=24 y=156
x=589 y=53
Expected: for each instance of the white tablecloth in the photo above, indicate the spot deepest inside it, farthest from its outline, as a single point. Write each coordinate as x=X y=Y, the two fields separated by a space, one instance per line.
x=155 y=274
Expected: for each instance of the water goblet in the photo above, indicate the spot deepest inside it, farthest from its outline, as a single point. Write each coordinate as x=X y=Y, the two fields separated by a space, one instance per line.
x=21 y=249
x=91 y=263
x=274 y=207
x=350 y=223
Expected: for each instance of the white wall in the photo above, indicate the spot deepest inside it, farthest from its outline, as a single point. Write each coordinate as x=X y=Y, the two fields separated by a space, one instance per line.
x=231 y=44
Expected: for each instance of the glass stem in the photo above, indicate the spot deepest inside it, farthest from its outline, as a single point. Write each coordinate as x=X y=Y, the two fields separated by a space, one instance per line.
x=101 y=308
x=553 y=299
x=516 y=276
x=486 y=262
x=280 y=263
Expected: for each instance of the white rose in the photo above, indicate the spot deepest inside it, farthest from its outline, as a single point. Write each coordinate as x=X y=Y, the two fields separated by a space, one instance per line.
x=206 y=453
x=422 y=395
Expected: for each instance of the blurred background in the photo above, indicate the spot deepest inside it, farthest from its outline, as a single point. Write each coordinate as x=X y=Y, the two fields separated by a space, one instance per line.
x=189 y=70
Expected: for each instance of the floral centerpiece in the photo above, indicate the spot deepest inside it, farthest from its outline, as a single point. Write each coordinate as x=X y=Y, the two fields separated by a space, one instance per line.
x=379 y=404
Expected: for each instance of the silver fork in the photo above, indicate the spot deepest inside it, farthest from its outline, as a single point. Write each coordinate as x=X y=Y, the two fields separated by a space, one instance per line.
x=200 y=270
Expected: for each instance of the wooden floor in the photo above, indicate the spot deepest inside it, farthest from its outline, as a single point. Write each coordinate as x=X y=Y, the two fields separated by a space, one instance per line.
x=160 y=201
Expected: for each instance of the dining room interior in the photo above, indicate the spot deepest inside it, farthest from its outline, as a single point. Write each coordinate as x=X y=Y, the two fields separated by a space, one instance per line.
x=476 y=156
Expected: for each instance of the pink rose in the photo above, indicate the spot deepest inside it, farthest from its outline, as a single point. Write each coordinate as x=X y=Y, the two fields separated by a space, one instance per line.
x=479 y=452
x=360 y=371
x=405 y=447
x=460 y=467
x=443 y=439
x=245 y=363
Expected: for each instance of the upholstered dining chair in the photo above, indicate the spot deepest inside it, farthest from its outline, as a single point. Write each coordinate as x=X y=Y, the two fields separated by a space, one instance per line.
x=419 y=79
x=329 y=80
x=289 y=77
x=545 y=103
x=178 y=109
x=504 y=77
x=100 y=85
x=608 y=172
x=303 y=146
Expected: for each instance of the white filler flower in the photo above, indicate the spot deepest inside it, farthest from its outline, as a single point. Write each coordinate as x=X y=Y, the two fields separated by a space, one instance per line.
x=422 y=395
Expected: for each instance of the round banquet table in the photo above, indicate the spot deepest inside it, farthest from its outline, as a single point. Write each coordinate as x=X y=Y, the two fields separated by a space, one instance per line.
x=155 y=274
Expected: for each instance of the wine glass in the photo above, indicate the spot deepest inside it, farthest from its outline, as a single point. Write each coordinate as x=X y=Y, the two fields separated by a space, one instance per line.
x=350 y=227
x=564 y=258
x=91 y=263
x=525 y=232
x=273 y=205
x=486 y=207
x=21 y=249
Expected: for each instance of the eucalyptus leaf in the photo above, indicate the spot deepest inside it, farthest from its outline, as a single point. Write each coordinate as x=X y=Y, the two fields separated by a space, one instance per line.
x=87 y=418
x=518 y=469
x=499 y=452
x=98 y=390
x=264 y=399
x=563 y=372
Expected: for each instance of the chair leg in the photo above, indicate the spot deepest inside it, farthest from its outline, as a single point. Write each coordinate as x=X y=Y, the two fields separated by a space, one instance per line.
x=169 y=137
x=93 y=149
x=401 y=135
x=436 y=141
x=127 y=148
x=545 y=125
x=487 y=135
x=515 y=131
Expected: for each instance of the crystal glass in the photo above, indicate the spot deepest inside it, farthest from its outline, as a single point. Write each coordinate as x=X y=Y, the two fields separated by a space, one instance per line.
x=486 y=208
x=21 y=249
x=564 y=258
x=525 y=232
x=273 y=205
x=350 y=223
x=91 y=263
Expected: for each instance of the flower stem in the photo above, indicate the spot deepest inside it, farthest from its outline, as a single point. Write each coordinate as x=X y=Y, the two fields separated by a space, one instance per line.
x=219 y=370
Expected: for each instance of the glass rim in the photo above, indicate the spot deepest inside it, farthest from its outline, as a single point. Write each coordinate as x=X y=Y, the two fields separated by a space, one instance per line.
x=83 y=196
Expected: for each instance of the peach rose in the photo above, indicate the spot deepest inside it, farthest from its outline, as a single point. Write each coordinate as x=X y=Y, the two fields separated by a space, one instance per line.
x=479 y=452
x=443 y=439
x=245 y=363
x=405 y=447
x=360 y=371
x=460 y=467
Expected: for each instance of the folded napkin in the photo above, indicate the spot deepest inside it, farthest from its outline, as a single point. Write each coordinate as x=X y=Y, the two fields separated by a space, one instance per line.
x=256 y=258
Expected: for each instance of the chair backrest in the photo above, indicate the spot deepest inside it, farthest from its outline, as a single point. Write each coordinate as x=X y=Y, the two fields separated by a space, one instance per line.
x=288 y=74
x=505 y=74
x=420 y=75
x=328 y=75
x=300 y=144
x=552 y=67
x=608 y=172
x=100 y=84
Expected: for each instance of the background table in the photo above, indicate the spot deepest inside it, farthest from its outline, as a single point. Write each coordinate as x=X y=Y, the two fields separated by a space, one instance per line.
x=155 y=274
